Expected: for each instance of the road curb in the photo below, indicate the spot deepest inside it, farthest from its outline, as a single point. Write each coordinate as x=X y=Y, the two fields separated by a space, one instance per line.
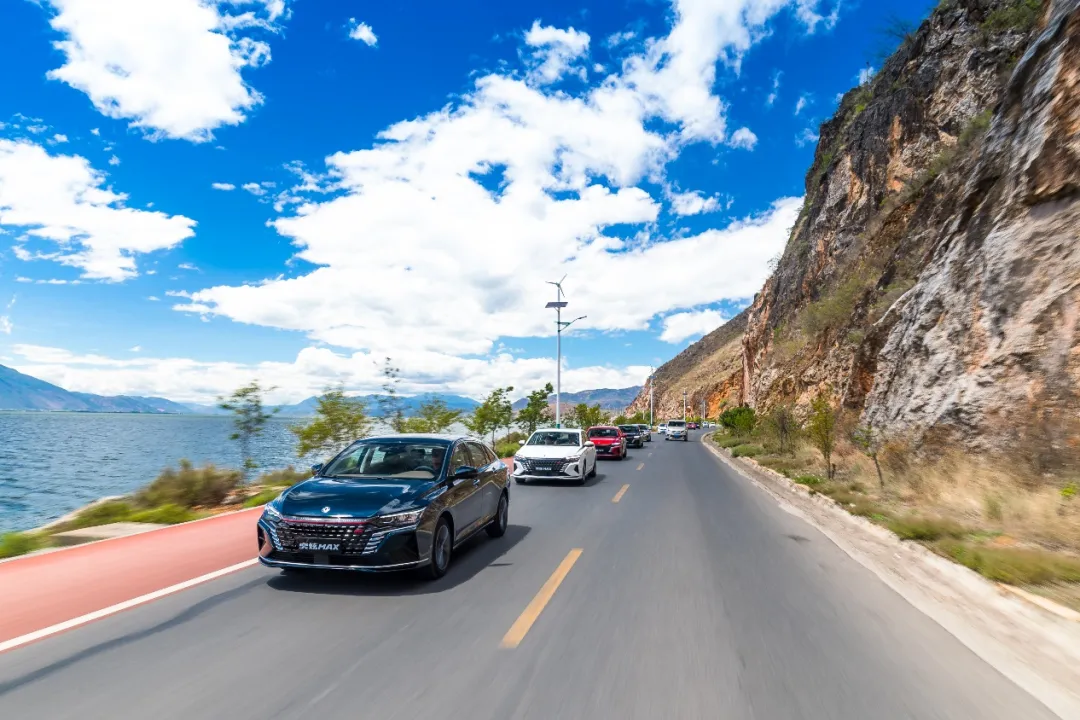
x=1035 y=647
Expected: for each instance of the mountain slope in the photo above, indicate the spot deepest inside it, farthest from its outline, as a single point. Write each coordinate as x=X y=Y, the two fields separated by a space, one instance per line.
x=606 y=398
x=931 y=283
x=709 y=370
x=23 y=392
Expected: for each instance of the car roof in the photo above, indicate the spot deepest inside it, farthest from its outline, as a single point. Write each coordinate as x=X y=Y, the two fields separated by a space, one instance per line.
x=445 y=437
x=557 y=430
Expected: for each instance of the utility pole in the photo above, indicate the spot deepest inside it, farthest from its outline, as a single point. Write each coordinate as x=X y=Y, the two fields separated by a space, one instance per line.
x=684 y=405
x=559 y=304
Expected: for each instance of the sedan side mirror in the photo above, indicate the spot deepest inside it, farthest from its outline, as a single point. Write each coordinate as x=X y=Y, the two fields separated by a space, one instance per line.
x=316 y=468
x=590 y=443
x=465 y=472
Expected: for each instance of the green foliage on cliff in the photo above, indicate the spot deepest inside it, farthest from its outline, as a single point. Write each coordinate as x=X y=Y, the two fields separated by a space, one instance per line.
x=1020 y=16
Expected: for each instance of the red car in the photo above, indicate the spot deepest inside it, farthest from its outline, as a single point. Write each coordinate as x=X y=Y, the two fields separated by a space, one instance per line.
x=609 y=441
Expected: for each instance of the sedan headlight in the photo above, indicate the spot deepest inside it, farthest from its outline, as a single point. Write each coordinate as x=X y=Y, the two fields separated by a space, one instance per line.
x=401 y=519
x=271 y=512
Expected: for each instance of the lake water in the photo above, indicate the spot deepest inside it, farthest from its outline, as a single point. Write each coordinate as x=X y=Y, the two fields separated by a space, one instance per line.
x=53 y=463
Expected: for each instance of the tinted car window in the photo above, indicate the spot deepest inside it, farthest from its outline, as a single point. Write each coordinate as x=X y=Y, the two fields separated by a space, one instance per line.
x=460 y=458
x=604 y=432
x=389 y=458
x=479 y=457
x=629 y=429
x=555 y=437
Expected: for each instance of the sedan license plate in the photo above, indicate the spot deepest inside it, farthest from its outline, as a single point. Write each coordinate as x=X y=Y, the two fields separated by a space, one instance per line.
x=320 y=546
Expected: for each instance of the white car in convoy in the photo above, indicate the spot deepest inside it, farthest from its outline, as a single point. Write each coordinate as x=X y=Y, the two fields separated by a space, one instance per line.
x=555 y=454
x=662 y=429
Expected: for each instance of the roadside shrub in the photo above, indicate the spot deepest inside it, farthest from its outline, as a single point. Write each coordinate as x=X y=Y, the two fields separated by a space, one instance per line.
x=926 y=529
x=507 y=448
x=727 y=441
x=783 y=428
x=164 y=515
x=286 y=477
x=101 y=514
x=739 y=421
x=747 y=451
x=190 y=486
x=1012 y=565
x=262 y=498
x=16 y=543
x=810 y=480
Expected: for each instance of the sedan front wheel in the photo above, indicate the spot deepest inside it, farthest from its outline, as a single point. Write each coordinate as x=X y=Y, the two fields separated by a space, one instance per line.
x=442 y=547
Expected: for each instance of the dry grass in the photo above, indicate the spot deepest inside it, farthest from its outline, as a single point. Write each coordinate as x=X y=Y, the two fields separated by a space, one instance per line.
x=987 y=513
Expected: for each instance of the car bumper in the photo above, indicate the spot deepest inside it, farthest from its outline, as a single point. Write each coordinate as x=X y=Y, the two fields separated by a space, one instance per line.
x=395 y=549
x=676 y=436
x=608 y=450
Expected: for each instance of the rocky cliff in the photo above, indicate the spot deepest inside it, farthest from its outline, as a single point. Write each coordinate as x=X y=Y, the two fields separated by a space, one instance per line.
x=931 y=281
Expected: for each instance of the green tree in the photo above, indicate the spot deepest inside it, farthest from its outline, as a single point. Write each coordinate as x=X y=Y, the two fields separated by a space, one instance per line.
x=868 y=440
x=433 y=416
x=821 y=429
x=639 y=418
x=338 y=421
x=536 y=411
x=249 y=418
x=495 y=412
x=391 y=405
x=620 y=420
x=585 y=416
x=739 y=421
x=784 y=427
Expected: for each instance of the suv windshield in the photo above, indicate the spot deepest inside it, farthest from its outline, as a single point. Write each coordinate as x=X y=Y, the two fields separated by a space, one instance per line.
x=555 y=437
x=603 y=432
x=676 y=423
x=419 y=459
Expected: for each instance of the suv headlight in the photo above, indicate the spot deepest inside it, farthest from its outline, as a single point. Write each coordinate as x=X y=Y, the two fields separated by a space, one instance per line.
x=402 y=519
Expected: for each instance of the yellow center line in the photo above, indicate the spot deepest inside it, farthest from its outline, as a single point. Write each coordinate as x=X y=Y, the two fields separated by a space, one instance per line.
x=641 y=466
x=618 y=495
x=532 y=611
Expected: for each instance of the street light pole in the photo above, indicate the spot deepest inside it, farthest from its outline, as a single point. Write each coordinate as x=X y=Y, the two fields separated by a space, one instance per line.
x=684 y=405
x=559 y=304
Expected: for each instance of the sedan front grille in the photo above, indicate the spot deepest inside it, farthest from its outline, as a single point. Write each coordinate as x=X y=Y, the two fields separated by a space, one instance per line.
x=355 y=537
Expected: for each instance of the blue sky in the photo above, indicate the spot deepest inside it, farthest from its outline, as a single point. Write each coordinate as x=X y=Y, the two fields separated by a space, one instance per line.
x=194 y=194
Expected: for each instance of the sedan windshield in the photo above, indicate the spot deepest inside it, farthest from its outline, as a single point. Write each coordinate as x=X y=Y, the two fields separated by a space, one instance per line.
x=633 y=429
x=604 y=432
x=419 y=459
x=566 y=439
x=676 y=424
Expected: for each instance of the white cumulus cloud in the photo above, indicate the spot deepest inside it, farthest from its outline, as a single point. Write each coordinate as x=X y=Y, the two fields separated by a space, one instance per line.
x=684 y=325
x=744 y=139
x=362 y=31
x=693 y=203
x=465 y=212
x=61 y=202
x=223 y=186
x=171 y=67
x=555 y=51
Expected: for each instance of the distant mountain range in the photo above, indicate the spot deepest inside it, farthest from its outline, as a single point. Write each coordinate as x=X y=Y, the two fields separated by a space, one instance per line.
x=23 y=392
x=606 y=398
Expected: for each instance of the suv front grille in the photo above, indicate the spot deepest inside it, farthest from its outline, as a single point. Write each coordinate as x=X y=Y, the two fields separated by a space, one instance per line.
x=542 y=465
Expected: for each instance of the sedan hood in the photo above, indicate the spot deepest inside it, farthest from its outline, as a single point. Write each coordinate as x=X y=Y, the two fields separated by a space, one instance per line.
x=605 y=440
x=547 y=451
x=326 y=497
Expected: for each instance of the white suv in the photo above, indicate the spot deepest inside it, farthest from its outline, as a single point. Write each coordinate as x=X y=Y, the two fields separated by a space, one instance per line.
x=676 y=430
x=555 y=454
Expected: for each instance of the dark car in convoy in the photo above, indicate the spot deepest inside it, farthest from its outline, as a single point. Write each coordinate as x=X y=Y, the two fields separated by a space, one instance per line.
x=646 y=432
x=634 y=437
x=394 y=502
x=609 y=441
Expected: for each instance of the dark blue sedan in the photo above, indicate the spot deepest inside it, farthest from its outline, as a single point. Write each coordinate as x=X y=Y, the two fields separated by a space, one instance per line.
x=395 y=502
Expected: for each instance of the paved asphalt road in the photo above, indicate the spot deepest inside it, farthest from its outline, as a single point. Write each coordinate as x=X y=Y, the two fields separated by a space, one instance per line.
x=694 y=596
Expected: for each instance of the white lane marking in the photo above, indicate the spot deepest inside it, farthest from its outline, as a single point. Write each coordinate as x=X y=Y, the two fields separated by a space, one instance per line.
x=119 y=607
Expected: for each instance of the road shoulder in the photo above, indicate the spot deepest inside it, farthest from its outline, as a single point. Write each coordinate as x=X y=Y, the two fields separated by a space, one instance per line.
x=1037 y=649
